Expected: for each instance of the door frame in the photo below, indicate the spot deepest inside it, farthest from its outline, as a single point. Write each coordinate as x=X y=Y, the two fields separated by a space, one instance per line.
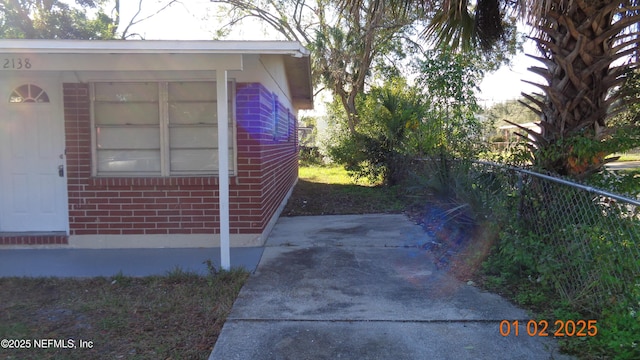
x=52 y=84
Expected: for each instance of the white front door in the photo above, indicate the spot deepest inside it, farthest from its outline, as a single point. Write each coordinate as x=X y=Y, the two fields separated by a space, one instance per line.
x=33 y=187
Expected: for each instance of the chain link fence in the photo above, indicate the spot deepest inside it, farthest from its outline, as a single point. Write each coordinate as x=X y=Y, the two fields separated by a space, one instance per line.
x=582 y=241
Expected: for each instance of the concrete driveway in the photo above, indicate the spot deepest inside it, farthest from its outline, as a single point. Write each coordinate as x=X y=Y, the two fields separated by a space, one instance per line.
x=361 y=287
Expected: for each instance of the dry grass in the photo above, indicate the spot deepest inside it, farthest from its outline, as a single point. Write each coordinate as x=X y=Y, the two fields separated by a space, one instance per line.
x=178 y=316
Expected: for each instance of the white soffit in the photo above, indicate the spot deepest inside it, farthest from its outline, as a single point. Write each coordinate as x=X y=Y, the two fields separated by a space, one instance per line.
x=152 y=47
x=297 y=62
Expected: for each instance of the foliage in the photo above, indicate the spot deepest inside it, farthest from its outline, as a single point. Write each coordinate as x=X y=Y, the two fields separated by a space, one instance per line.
x=512 y=110
x=451 y=134
x=309 y=153
x=568 y=254
x=309 y=156
x=380 y=147
x=620 y=328
x=626 y=121
x=462 y=24
x=532 y=264
x=58 y=19
x=629 y=115
x=583 y=153
x=620 y=182
x=451 y=126
x=347 y=47
x=580 y=43
x=434 y=120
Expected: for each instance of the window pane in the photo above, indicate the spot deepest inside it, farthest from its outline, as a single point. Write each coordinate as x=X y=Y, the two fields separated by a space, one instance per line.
x=128 y=138
x=129 y=161
x=133 y=122
x=28 y=93
x=126 y=92
x=196 y=137
x=123 y=114
x=193 y=113
x=192 y=160
x=192 y=91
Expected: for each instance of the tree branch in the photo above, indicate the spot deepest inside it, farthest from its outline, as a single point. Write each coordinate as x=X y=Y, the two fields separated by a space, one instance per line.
x=135 y=21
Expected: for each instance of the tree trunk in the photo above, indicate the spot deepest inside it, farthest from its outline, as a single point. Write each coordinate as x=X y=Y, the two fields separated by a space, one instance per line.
x=579 y=40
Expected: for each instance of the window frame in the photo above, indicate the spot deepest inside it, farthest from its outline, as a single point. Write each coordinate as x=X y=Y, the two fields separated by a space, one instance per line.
x=164 y=129
x=282 y=121
x=42 y=95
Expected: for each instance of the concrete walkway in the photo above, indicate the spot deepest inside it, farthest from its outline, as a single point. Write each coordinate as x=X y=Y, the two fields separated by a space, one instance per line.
x=361 y=287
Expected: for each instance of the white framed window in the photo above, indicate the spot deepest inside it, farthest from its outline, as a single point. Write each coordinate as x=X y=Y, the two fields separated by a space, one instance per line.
x=158 y=128
x=28 y=93
x=281 y=121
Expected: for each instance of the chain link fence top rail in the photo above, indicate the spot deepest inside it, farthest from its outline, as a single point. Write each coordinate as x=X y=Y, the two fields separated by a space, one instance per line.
x=589 y=239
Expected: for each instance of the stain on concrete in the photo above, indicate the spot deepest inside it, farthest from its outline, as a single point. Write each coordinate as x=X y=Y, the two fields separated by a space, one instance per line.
x=372 y=297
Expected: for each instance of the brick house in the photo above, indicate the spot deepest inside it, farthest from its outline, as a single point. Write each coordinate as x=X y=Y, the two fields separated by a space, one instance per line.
x=117 y=144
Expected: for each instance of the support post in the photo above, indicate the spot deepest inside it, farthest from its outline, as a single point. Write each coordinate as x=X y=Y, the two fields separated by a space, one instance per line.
x=223 y=166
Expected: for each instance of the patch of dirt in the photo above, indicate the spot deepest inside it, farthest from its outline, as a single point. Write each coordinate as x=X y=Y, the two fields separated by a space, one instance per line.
x=62 y=318
x=309 y=198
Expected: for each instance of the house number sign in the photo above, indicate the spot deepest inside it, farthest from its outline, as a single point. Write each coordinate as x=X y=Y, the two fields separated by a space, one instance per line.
x=15 y=63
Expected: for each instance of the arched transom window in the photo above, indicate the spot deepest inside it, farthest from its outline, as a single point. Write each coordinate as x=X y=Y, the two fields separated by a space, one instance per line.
x=28 y=93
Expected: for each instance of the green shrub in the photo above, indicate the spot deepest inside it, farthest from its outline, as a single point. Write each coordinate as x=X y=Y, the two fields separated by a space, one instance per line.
x=309 y=156
x=380 y=148
x=569 y=254
x=498 y=138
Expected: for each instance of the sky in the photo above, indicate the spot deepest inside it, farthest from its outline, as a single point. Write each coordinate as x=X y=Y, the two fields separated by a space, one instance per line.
x=188 y=20
x=195 y=20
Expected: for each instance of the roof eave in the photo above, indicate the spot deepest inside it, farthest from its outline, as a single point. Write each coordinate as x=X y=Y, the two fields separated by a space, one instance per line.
x=152 y=47
x=299 y=77
x=296 y=56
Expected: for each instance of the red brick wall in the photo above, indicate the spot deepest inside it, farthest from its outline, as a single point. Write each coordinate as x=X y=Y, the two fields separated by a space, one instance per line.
x=267 y=169
x=267 y=164
x=34 y=239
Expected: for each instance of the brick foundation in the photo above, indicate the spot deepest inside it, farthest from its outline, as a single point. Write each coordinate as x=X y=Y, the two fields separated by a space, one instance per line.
x=33 y=239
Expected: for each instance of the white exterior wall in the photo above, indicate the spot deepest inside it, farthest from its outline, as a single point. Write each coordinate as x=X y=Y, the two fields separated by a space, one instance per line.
x=269 y=70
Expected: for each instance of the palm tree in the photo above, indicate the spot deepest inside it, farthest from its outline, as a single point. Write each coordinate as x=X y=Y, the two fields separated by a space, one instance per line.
x=587 y=49
x=580 y=42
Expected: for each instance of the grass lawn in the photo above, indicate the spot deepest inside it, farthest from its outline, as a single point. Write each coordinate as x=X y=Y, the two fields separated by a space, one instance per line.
x=328 y=190
x=629 y=157
x=177 y=316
